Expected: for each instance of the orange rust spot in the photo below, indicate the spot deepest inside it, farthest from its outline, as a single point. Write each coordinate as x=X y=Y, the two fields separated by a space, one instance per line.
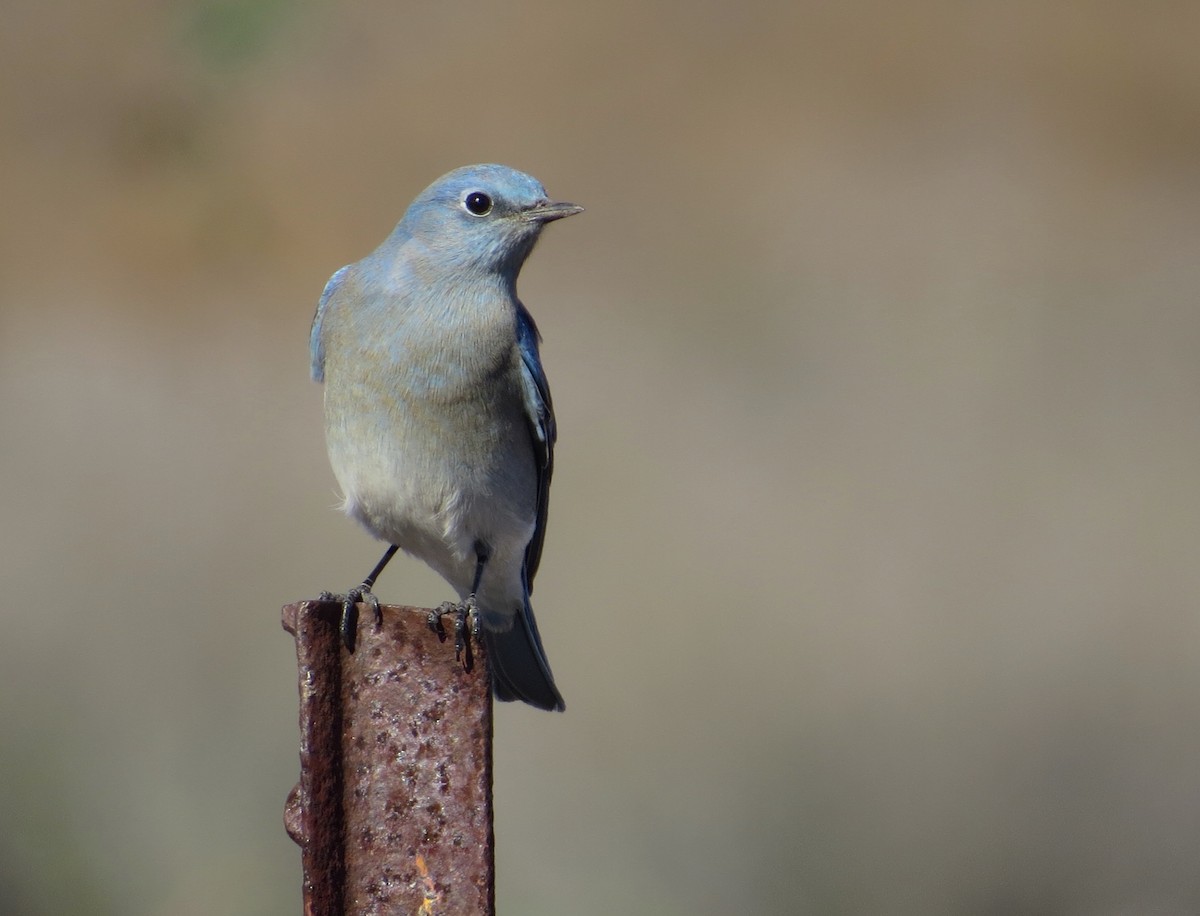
x=431 y=893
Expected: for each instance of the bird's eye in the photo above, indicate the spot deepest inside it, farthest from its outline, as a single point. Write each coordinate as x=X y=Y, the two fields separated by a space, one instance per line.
x=478 y=203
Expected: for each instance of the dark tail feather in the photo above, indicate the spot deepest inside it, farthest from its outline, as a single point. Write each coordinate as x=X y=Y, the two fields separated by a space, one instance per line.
x=519 y=667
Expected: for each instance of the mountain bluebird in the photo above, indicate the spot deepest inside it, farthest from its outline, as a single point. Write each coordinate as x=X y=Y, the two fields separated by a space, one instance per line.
x=437 y=412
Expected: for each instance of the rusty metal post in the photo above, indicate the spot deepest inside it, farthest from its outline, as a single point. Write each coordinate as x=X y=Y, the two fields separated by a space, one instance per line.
x=393 y=811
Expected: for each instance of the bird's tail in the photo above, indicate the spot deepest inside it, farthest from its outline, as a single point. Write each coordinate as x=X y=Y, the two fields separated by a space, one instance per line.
x=519 y=667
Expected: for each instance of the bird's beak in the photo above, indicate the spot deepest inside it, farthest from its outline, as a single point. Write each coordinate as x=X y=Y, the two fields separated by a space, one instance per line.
x=550 y=210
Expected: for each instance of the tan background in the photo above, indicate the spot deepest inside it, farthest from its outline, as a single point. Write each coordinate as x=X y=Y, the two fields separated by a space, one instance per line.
x=872 y=577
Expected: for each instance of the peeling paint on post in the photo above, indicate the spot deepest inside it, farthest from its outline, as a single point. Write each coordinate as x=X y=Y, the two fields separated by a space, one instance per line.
x=393 y=811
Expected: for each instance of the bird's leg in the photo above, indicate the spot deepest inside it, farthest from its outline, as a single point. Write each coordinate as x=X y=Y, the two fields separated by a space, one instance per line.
x=463 y=611
x=363 y=593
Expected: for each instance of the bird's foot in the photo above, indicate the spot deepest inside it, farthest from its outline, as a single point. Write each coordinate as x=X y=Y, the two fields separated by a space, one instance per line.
x=466 y=614
x=349 y=602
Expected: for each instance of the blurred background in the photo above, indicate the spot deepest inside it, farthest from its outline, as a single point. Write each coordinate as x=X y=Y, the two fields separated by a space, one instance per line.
x=871 y=579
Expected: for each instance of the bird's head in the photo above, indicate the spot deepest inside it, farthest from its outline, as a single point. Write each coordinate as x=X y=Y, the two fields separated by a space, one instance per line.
x=482 y=217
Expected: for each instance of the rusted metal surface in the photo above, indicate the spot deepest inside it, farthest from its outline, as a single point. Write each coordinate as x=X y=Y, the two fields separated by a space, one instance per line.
x=314 y=812
x=393 y=811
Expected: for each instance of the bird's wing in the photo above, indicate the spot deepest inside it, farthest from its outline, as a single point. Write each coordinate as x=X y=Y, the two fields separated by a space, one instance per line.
x=316 y=347
x=539 y=412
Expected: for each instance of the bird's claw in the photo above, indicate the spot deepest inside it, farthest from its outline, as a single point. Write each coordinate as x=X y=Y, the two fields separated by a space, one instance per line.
x=466 y=615
x=349 y=603
x=435 y=619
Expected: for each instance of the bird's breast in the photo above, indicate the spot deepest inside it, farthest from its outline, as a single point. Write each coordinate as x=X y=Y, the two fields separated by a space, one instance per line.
x=425 y=426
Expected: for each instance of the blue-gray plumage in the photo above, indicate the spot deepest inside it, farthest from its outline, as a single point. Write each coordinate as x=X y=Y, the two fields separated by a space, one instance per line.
x=438 y=417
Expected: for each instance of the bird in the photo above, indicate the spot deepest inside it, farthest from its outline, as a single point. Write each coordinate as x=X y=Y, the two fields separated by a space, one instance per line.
x=439 y=424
